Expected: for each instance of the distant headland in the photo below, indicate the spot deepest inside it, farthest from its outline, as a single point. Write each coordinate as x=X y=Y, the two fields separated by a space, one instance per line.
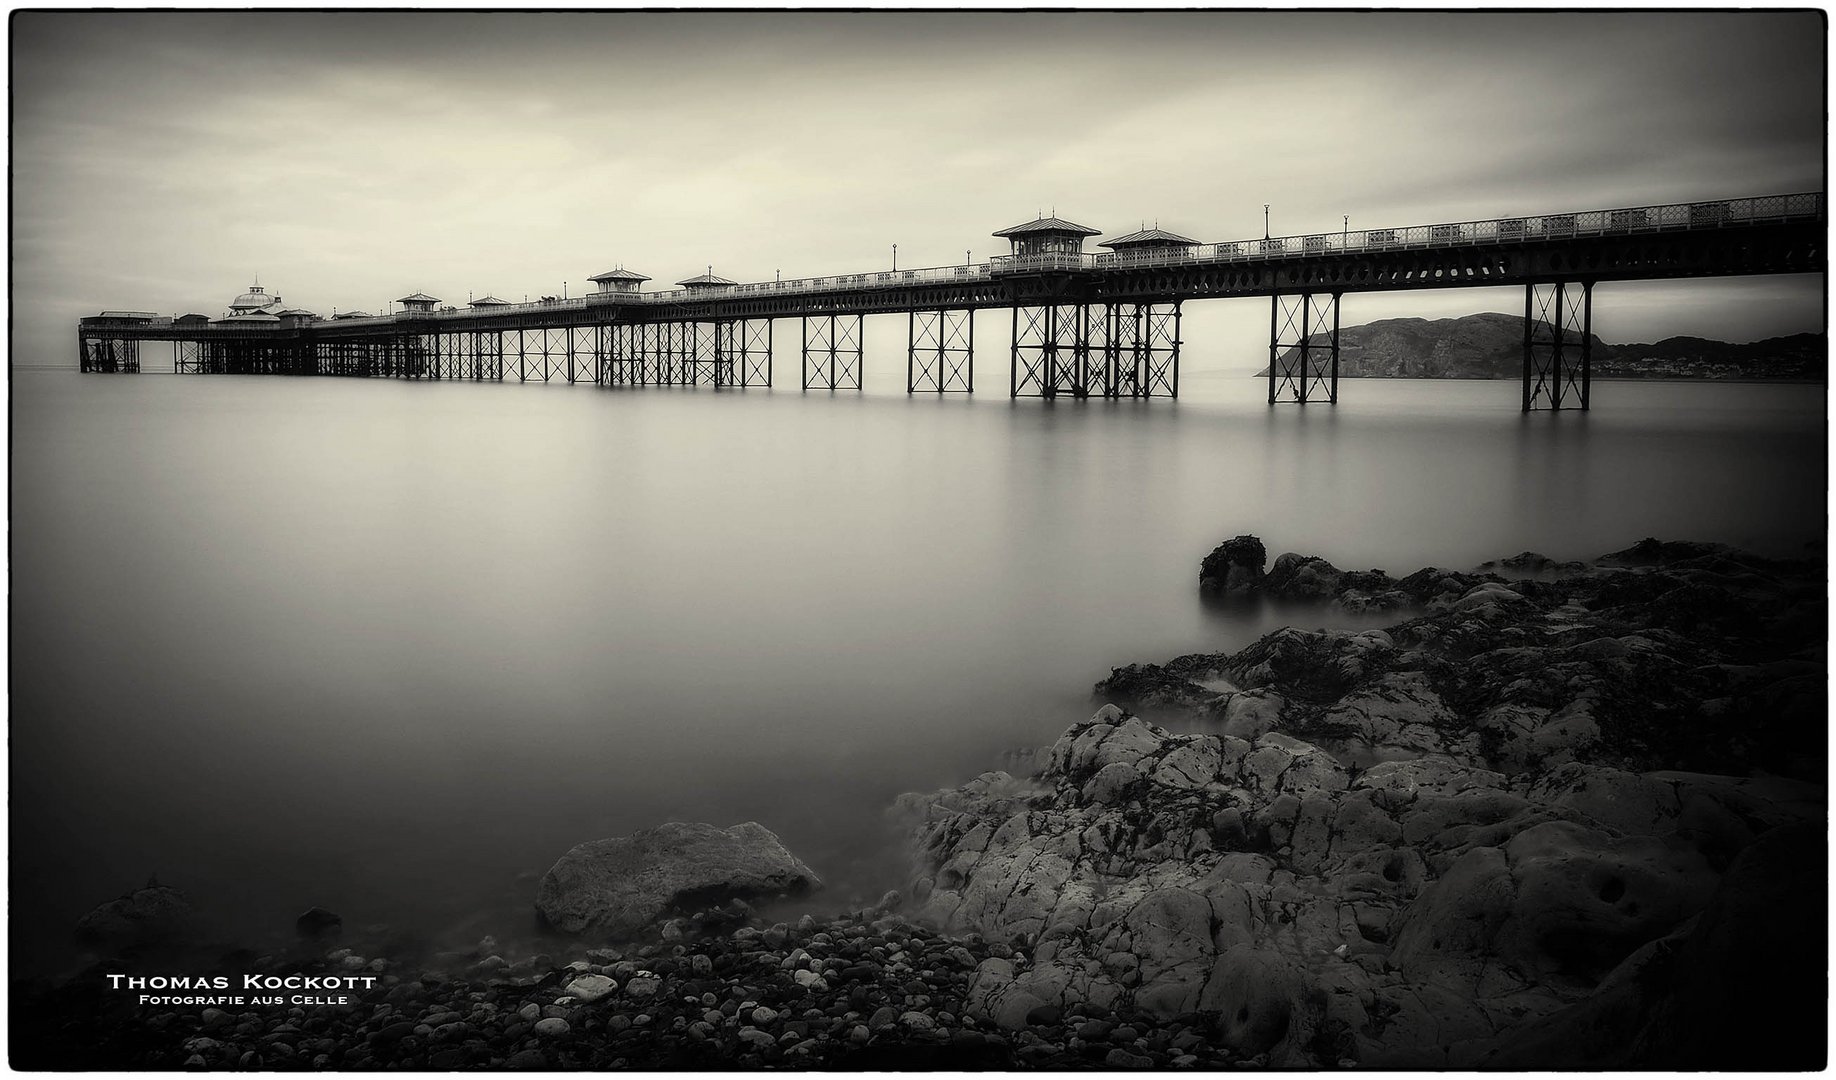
x=1491 y=346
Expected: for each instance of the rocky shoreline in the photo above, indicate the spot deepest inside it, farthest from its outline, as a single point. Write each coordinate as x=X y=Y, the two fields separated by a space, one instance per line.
x=1531 y=824
x=1556 y=815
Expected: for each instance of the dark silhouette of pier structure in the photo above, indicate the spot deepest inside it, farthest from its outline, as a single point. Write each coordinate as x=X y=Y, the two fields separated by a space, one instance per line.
x=1084 y=324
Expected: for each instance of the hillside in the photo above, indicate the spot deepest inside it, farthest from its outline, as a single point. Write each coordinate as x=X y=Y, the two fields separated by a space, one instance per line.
x=1490 y=346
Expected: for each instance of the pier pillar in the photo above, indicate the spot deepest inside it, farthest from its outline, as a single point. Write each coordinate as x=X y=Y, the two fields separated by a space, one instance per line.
x=1558 y=345
x=645 y=349
x=1142 y=350
x=676 y=354
x=832 y=352
x=753 y=358
x=940 y=351
x=1050 y=351
x=703 y=355
x=1102 y=350
x=650 y=354
x=1304 y=348
x=109 y=356
x=487 y=355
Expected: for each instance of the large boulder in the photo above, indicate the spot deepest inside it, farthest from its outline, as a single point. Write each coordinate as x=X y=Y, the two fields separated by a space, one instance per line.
x=621 y=885
x=1303 y=577
x=145 y=918
x=1234 y=568
x=1740 y=987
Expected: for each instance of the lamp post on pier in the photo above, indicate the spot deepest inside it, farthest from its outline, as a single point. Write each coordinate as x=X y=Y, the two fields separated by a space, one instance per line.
x=895 y=256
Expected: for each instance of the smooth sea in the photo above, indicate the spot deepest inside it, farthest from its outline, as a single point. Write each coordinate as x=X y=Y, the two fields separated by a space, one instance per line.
x=383 y=647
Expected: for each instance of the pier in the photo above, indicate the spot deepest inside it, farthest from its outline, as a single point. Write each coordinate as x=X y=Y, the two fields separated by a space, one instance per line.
x=1084 y=324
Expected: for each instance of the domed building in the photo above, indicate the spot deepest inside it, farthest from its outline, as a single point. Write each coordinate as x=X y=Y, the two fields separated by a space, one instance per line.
x=254 y=306
x=256 y=299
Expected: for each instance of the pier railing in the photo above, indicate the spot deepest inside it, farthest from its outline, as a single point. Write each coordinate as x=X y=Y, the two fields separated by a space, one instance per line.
x=1671 y=217
x=1666 y=218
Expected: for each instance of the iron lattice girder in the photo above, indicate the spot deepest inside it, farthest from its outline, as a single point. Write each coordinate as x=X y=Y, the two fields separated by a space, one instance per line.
x=832 y=352
x=108 y=355
x=940 y=351
x=1108 y=350
x=1304 y=348
x=1558 y=345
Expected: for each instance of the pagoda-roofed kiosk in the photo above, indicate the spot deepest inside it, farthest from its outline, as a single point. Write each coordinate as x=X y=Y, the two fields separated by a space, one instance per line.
x=486 y=303
x=1048 y=236
x=418 y=302
x=295 y=316
x=619 y=280
x=1151 y=242
x=707 y=282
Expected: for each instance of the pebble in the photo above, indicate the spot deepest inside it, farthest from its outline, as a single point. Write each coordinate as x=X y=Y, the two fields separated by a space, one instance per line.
x=917 y=1021
x=591 y=988
x=781 y=996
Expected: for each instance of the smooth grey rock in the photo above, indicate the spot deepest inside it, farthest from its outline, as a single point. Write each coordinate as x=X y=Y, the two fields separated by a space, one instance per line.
x=155 y=915
x=623 y=884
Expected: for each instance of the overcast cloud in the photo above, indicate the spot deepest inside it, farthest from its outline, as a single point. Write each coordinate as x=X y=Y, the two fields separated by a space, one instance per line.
x=161 y=160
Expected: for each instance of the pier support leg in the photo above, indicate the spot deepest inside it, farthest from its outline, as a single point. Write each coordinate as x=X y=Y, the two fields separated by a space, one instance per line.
x=753 y=359
x=644 y=354
x=673 y=374
x=1048 y=351
x=940 y=351
x=1107 y=350
x=832 y=352
x=655 y=362
x=1558 y=345
x=1160 y=351
x=1094 y=352
x=1304 y=348
x=109 y=356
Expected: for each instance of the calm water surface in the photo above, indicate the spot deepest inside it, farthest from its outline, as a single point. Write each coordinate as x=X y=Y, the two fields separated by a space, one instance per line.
x=382 y=646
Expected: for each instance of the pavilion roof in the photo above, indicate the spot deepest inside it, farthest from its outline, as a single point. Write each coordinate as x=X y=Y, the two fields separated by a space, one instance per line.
x=1156 y=235
x=1053 y=224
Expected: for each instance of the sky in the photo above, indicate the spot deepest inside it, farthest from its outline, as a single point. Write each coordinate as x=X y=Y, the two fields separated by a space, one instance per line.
x=162 y=161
